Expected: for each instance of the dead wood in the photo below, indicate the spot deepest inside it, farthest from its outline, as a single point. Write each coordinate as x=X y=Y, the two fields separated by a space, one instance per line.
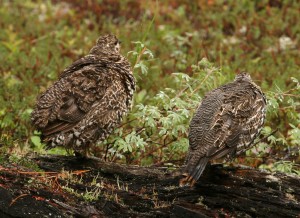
x=72 y=187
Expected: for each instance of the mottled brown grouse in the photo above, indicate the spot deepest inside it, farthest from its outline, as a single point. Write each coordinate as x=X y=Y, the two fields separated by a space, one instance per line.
x=88 y=100
x=227 y=121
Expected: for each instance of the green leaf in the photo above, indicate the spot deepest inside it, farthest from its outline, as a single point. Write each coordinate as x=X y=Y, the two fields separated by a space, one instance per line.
x=36 y=140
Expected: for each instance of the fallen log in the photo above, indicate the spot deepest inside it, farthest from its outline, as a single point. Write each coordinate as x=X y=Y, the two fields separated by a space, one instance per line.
x=72 y=187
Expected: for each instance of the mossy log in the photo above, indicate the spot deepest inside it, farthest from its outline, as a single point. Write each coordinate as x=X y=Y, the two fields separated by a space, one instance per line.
x=72 y=187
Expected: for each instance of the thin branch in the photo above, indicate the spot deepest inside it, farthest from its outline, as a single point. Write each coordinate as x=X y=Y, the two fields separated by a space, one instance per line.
x=123 y=124
x=264 y=138
x=14 y=200
x=52 y=33
x=199 y=86
x=139 y=57
x=152 y=151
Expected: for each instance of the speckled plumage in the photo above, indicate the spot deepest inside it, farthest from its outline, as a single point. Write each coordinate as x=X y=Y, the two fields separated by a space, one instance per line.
x=88 y=100
x=227 y=121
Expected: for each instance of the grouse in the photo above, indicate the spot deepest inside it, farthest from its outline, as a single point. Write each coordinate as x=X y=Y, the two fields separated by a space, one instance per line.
x=226 y=123
x=88 y=100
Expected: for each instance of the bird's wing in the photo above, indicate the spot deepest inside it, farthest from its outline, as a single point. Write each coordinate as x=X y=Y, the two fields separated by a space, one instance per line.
x=105 y=114
x=67 y=116
x=81 y=63
x=227 y=120
x=64 y=104
x=200 y=126
x=213 y=134
x=237 y=123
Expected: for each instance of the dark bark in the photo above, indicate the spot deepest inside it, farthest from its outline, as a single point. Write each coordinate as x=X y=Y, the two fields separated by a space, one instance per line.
x=132 y=191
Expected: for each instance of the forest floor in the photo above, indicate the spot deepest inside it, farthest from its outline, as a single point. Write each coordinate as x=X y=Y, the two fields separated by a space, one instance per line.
x=70 y=187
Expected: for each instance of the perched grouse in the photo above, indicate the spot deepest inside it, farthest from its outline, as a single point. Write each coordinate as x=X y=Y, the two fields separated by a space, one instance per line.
x=88 y=100
x=226 y=123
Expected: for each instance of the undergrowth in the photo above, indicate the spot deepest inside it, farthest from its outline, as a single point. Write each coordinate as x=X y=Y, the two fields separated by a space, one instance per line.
x=179 y=50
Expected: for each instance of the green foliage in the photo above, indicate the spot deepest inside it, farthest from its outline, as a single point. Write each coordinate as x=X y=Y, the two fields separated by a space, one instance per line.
x=179 y=50
x=157 y=131
x=282 y=166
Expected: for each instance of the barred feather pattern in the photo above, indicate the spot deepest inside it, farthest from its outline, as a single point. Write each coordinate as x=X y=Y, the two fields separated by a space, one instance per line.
x=226 y=123
x=88 y=100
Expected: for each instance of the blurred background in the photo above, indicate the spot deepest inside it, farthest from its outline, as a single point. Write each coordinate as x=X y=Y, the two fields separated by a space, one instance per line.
x=179 y=50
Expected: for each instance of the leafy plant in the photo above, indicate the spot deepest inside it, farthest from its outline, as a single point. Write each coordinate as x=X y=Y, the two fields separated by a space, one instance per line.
x=177 y=56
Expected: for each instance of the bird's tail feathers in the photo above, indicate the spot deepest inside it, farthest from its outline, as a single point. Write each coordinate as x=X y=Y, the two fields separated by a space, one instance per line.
x=49 y=142
x=49 y=145
x=230 y=151
x=193 y=174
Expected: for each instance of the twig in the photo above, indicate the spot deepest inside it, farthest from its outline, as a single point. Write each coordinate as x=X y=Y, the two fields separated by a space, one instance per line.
x=14 y=200
x=264 y=137
x=123 y=124
x=183 y=90
x=139 y=57
x=152 y=151
x=43 y=37
x=66 y=206
x=199 y=86
x=76 y=172
x=242 y=151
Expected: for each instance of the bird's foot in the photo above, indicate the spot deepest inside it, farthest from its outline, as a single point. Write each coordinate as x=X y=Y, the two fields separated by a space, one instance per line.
x=86 y=156
x=188 y=180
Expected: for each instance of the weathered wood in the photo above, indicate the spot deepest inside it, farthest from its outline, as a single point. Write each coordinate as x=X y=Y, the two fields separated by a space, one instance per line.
x=133 y=191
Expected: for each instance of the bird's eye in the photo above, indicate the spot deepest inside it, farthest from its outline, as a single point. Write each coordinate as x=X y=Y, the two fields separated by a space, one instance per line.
x=116 y=43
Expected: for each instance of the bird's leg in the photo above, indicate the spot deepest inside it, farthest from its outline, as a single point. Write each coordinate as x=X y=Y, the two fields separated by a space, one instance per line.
x=86 y=156
x=188 y=180
x=79 y=155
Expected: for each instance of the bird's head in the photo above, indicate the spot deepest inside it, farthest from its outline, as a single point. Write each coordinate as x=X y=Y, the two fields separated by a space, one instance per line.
x=243 y=77
x=106 y=44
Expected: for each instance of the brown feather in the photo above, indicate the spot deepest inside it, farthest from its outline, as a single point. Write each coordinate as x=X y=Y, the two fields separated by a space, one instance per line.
x=88 y=100
x=226 y=123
